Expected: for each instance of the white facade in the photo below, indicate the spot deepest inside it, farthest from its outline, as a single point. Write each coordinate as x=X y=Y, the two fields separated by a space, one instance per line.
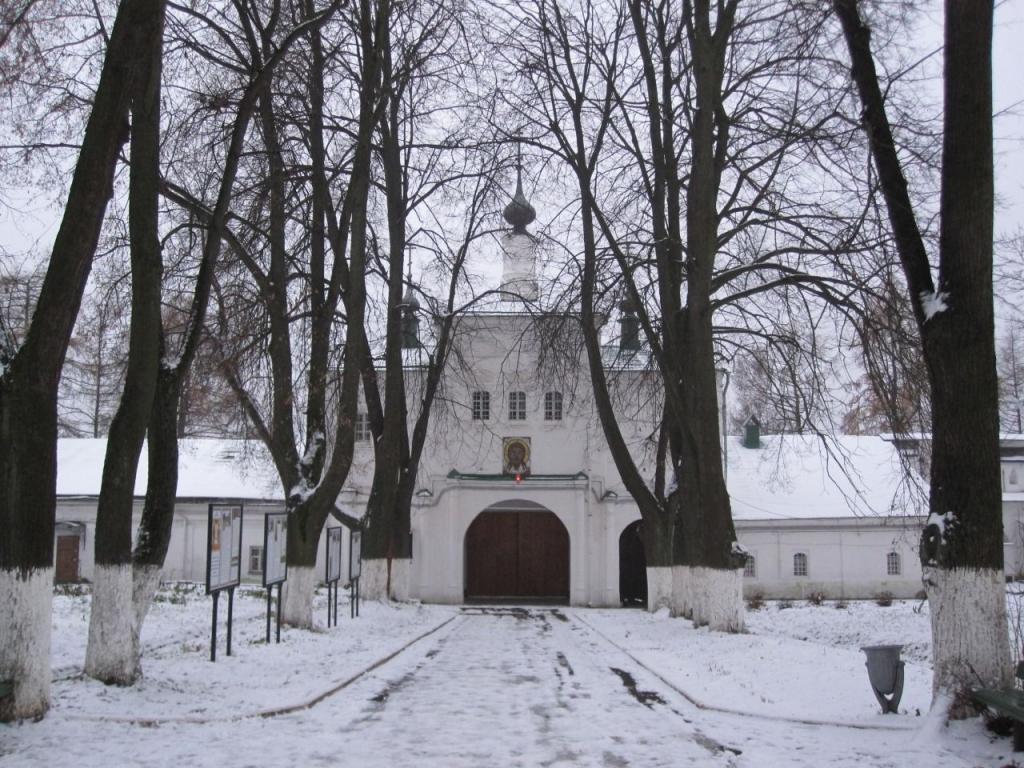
x=837 y=517
x=846 y=554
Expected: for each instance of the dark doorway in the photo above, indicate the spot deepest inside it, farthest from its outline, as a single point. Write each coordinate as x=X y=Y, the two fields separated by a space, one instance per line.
x=632 y=566
x=67 y=560
x=517 y=555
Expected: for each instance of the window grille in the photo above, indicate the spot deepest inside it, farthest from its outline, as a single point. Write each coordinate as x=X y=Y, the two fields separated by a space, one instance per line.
x=481 y=406
x=255 y=560
x=892 y=564
x=363 y=432
x=552 y=406
x=517 y=406
x=799 y=564
x=750 y=567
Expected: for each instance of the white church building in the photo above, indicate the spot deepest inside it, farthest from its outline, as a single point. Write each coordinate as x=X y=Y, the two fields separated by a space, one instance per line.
x=517 y=495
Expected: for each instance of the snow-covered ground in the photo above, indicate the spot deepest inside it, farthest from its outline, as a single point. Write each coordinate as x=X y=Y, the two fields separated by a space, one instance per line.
x=445 y=686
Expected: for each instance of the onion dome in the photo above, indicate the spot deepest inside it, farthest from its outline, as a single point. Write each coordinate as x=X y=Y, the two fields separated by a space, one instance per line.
x=409 y=301
x=519 y=212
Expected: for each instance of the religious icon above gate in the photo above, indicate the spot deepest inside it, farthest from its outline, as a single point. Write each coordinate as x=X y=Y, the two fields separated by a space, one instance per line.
x=515 y=455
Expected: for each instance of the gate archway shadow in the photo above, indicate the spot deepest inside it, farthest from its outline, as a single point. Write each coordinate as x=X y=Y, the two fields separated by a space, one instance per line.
x=632 y=566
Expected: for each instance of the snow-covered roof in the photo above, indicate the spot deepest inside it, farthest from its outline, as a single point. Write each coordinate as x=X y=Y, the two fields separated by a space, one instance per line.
x=805 y=476
x=789 y=477
x=208 y=468
x=616 y=358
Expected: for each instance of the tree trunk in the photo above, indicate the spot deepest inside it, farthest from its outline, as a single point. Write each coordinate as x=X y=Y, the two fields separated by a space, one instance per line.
x=704 y=533
x=154 y=534
x=657 y=537
x=961 y=547
x=112 y=655
x=28 y=388
x=964 y=570
x=305 y=522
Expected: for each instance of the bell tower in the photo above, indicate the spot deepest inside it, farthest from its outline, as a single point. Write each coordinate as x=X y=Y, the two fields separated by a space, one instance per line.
x=519 y=247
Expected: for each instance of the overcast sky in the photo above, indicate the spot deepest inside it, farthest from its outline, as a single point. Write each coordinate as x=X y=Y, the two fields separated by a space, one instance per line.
x=1008 y=97
x=31 y=224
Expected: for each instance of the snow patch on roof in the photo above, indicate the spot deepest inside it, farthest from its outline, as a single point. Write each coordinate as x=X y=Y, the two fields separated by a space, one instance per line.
x=207 y=468
x=807 y=476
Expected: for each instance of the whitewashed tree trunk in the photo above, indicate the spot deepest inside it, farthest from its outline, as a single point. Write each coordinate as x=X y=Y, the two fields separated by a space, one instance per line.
x=297 y=605
x=374 y=580
x=659 y=588
x=401 y=579
x=969 y=630
x=112 y=655
x=717 y=598
x=681 y=586
x=146 y=582
x=25 y=640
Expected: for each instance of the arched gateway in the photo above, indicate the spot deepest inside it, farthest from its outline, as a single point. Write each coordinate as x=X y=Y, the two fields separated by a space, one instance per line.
x=517 y=551
x=632 y=566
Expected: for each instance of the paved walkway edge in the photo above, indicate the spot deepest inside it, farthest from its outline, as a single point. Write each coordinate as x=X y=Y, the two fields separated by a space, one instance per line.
x=726 y=710
x=266 y=713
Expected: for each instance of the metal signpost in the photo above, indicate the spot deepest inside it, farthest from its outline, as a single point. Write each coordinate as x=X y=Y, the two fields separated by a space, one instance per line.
x=334 y=538
x=275 y=561
x=223 y=562
x=355 y=568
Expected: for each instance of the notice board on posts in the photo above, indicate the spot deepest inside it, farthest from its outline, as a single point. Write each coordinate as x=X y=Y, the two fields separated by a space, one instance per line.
x=275 y=548
x=334 y=539
x=355 y=555
x=223 y=547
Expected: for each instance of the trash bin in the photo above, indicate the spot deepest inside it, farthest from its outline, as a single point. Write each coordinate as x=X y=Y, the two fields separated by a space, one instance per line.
x=885 y=672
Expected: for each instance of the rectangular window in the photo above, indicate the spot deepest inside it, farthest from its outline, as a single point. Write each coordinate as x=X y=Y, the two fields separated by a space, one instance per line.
x=892 y=564
x=552 y=406
x=481 y=406
x=799 y=564
x=255 y=560
x=363 y=432
x=517 y=406
x=750 y=567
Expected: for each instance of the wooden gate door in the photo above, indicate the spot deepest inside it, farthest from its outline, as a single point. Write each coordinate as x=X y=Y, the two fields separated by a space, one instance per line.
x=67 y=560
x=516 y=556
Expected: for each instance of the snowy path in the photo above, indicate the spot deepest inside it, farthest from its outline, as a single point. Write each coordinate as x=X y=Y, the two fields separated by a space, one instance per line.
x=517 y=688
x=492 y=688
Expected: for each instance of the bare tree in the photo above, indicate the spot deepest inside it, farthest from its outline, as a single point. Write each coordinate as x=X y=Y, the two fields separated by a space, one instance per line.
x=30 y=378
x=429 y=160
x=301 y=265
x=110 y=619
x=1010 y=360
x=688 y=132
x=962 y=544
x=94 y=370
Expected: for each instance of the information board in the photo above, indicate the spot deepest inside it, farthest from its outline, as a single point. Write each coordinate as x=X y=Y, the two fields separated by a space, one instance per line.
x=355 y=555
x=334 y=554
x=223 y=547
x=275 y=548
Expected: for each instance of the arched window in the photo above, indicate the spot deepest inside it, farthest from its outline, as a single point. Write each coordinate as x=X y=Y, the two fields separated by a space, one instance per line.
x=799 y=564
x=750 y=567
x=892 y=564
